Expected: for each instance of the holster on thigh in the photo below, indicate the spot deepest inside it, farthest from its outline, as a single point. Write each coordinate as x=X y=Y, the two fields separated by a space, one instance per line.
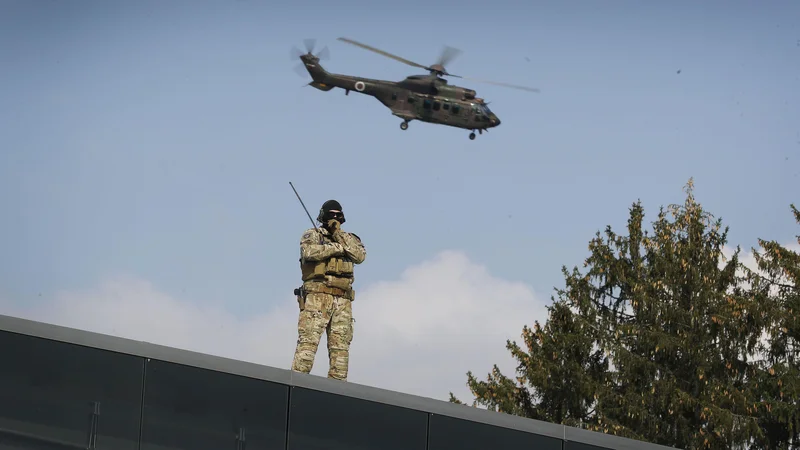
x=301 y=297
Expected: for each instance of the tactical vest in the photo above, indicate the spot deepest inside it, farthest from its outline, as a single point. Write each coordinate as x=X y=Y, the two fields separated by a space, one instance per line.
x=336 y=272
x=335 y=267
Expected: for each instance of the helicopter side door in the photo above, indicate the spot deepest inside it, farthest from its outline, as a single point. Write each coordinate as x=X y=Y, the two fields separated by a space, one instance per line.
x=438 y=113
x=455 y=113
x=437 y=110
x=404 y=102
x=414 y=105
x=427 y=110
x=444 y=114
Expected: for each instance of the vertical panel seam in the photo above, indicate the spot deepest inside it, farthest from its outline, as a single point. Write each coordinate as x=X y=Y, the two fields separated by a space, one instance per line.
x=428 y=432
x=288 y=417
x=141 y=403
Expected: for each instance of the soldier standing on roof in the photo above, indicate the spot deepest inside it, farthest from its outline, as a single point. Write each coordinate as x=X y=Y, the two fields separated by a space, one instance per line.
x=327 y=257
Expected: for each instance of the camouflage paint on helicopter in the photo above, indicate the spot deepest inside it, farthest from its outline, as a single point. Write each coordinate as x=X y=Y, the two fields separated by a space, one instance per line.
x=427 y=98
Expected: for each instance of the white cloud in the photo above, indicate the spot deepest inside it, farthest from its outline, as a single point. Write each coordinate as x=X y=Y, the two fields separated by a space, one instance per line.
x=419 y=334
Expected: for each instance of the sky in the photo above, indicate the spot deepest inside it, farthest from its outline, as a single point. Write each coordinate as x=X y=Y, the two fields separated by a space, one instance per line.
x=146 y=150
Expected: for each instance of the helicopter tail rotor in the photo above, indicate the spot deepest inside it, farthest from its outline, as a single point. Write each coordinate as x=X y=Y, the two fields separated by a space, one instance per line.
x=309 y=44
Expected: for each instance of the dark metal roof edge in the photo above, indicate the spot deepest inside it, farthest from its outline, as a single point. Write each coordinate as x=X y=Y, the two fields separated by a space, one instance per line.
x=606 y=440
x=284 y=376
x=428 y=405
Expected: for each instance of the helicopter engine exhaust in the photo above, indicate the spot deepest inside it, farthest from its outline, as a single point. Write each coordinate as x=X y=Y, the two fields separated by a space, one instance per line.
x=456 y=91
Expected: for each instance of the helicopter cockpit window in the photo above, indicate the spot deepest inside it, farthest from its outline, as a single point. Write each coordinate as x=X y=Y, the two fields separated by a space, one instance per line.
x=436 y=105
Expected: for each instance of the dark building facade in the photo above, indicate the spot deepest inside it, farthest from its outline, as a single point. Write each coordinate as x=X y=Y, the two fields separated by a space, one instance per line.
x=62 y=388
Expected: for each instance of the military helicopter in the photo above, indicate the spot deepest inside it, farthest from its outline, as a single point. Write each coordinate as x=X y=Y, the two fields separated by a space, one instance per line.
x=427 y=98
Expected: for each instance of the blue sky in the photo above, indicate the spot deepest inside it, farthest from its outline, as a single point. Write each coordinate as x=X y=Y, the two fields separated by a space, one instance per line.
x=147 y=148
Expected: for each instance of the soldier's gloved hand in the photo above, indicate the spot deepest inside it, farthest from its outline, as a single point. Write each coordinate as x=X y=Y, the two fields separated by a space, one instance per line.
x=334 y=225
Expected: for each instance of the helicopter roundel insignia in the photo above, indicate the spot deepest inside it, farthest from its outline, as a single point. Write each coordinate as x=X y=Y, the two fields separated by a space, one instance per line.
x=360 y=86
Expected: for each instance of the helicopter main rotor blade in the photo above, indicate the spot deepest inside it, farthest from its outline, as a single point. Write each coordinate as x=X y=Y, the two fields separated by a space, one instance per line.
x=448 y=55
x=381 y=52
x=497 y=83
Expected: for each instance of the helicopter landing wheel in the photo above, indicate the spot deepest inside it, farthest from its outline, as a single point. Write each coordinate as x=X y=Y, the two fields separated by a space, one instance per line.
x=472 y=136
x=403 y=125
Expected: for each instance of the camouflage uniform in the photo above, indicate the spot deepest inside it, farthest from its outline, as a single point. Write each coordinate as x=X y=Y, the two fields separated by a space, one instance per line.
x=326 y=297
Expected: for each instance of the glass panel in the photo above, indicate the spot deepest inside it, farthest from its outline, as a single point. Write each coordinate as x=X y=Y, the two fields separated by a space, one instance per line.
x=191 y=408
x=50 y=392
x=448 y=433
x=323 y=421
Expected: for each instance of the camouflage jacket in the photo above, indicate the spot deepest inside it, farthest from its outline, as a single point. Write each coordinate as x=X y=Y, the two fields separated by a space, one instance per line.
x=341 y=244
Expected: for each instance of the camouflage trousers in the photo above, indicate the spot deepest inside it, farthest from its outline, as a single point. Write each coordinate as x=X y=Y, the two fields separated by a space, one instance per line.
x=334 y=315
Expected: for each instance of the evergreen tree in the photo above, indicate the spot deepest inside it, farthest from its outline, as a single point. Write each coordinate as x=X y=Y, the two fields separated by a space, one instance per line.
x=776 y=285
x=560 y=362
x=655 y=338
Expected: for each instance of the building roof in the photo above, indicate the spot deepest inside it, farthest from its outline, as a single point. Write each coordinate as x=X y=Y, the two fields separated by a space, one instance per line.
x=290 y=378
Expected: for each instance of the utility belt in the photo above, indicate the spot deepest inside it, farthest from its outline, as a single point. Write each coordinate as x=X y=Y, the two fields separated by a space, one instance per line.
x=323 y=286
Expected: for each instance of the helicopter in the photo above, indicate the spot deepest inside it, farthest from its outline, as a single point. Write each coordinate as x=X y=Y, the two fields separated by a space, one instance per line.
x=427 y=98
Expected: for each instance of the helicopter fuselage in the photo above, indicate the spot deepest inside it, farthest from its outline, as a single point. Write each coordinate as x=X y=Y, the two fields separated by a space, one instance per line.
x=426 y=98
